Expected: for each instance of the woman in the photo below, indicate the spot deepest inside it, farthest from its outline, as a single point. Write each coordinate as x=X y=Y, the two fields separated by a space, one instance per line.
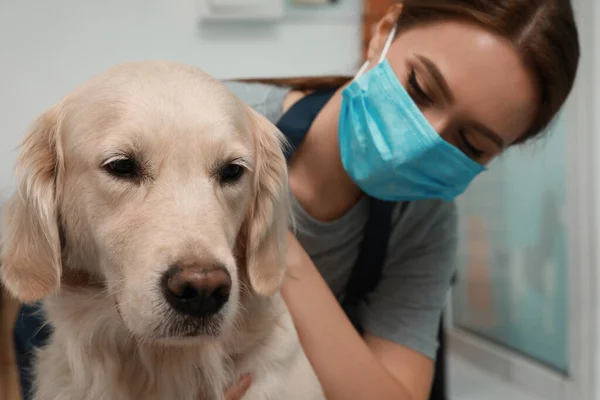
x=485 y=75
x=449 y=85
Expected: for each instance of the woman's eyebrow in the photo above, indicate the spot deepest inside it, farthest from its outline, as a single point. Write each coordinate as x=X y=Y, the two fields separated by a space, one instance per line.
x=437 y=77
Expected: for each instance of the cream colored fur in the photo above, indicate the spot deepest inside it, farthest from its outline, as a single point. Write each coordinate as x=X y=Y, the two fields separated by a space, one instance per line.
x=123 y=342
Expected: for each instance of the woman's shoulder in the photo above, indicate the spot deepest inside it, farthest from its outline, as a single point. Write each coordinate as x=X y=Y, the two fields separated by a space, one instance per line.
x=264 y=98
x=424 y=222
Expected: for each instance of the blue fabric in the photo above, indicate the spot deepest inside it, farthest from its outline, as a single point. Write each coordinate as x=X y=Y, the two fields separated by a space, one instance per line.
x=388 y=147
x=30 y=333
x=296 y=122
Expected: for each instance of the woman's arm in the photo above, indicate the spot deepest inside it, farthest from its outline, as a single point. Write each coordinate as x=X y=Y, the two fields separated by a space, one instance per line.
x=348 y=366
x=9 y=373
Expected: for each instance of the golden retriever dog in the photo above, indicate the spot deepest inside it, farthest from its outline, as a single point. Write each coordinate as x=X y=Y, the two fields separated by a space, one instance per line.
x=150 y=216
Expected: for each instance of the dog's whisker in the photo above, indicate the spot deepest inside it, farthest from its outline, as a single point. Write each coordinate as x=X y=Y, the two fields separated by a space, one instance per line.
x=104 y=292
x=42 y=326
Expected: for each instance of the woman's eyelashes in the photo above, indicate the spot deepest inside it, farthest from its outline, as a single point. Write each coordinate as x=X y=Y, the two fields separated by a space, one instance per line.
x=468 y=147
x=416 y=90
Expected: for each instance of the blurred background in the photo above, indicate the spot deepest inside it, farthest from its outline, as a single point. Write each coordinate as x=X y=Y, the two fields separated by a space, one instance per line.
x=524 y=316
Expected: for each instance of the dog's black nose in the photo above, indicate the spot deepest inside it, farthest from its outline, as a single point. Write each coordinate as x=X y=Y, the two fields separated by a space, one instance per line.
x=199 y=291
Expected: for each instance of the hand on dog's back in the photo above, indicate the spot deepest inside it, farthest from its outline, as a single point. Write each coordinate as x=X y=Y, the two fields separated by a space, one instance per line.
x=237 y=392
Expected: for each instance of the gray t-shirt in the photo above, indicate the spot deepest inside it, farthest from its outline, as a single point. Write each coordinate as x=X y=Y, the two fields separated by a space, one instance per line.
x=406 y=305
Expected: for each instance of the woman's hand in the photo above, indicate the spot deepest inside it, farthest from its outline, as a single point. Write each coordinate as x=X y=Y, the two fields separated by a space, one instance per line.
x=346 y=366
x=237 y=391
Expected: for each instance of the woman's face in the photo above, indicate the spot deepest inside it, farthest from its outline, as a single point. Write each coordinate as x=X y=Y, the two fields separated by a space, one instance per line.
x=469 y=83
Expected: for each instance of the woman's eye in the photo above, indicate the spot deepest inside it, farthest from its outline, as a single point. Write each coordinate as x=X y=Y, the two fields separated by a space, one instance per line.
x=231 y=173
x=472 y=151
x=416 y=91
x=122 y=167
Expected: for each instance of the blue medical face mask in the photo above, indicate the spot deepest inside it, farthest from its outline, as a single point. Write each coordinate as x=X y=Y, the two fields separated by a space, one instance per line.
x=388 y=147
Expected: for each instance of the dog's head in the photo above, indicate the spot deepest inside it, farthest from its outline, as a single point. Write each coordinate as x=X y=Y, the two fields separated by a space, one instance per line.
x=155 y=179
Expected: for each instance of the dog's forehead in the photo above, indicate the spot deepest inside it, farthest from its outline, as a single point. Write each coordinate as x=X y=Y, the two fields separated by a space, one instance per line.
x=159 y=105
x=158 y=89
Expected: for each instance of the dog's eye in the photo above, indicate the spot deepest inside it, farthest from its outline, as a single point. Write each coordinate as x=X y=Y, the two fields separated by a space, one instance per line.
x=122 y=167
x=231 y=173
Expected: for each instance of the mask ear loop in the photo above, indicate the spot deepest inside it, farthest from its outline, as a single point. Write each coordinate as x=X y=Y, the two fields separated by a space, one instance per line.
x=386 y=48
x=388 y=43
x=361 y=70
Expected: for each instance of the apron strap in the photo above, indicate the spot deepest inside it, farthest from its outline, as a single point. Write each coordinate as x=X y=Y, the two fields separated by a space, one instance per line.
x=296 y=122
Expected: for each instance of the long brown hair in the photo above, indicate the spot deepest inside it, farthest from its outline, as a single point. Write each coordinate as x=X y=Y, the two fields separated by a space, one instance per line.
x=543 y=32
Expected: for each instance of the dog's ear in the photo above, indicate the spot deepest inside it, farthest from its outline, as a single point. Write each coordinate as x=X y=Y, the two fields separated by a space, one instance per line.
x=266 y=224
x=30 y=254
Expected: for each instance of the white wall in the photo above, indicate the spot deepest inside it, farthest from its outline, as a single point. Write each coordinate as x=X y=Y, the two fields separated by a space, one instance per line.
x=593 y=84
x=584 y=168
x=48 y=47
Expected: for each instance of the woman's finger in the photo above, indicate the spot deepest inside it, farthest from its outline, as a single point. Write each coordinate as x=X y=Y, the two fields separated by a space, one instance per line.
x=237 y=392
